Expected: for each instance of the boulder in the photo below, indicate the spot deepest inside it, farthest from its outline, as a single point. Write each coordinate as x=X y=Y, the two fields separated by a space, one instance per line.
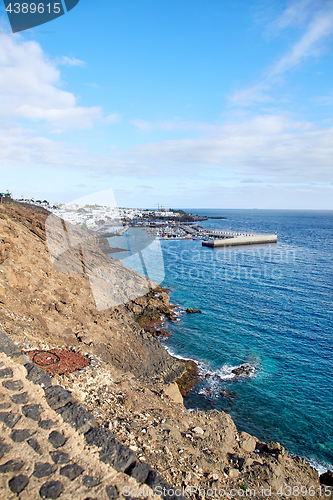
x=247 y=443
x=198 y=430
x=245 y=369
x=173 y=392
x=233 y=473
x=275 y=448
x=326 y=478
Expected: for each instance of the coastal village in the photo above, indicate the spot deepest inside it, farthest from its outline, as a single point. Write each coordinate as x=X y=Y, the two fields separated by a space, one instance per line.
x=159 y=223
x=95 y=216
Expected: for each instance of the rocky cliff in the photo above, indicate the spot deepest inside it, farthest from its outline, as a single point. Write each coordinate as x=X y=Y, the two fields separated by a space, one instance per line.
x=130 y=385
x=40 y=305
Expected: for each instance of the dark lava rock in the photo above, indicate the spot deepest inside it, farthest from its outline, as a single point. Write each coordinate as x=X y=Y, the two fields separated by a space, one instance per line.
x=18 y=483
x=51 y=489
x=57 y=396
x=4 y=406
x=9 y=419
x=99 y=437
x=34 y=445
x=160 y=333
x=112 y=492
x=4 y=448
x=189 y=310
x=79 y=418
x=59 y=457
x=20 y=399
x=72 y=471
x=32 y=411
x=20 y=435
x=46 y=424
x=43 y=469
x=13 y=385
x=120 y=457
x=8 y=347
x=11 y=466
x=57 y=439
x=245 y=369
x=326 y=478
x=6 y=373
x=140 y=472
x=38 y=376
x=155 y=479
x=90 y=481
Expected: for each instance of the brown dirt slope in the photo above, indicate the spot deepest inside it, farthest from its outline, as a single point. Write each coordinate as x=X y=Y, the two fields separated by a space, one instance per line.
x=40 y=304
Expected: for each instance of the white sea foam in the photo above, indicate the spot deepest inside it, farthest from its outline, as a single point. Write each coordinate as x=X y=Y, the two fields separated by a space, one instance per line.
x=170 y=351
x=213 y=389
x=226 y=371
x=223 y=373
x=320 y=467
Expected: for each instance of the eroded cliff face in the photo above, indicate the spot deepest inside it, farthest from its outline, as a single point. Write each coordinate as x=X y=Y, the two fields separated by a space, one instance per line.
x=42 y=305
x=130 y=388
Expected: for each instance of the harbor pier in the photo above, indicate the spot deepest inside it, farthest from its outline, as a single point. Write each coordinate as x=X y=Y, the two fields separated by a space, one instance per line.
x=241 y=239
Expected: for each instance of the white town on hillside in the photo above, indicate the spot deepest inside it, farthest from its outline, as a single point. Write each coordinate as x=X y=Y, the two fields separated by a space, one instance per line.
x=94 y=216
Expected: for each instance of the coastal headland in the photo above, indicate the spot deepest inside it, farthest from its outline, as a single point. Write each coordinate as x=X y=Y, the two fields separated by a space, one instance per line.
x=132 y=386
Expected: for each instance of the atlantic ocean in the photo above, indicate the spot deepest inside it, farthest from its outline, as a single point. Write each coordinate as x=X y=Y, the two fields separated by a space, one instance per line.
x=266 y=305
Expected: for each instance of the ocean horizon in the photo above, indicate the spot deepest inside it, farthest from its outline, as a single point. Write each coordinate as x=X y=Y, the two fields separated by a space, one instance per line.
x=266 y=305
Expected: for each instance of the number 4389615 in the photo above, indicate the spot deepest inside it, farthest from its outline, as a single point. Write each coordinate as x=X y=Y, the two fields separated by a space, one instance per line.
x=32 y=8
x=321 y=491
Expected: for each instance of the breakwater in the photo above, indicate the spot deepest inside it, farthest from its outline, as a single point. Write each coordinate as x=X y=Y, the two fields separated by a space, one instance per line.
x=242 y=240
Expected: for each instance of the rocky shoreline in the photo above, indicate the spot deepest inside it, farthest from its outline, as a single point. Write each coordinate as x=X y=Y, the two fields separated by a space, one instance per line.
x=130 y=383
x=150 y=313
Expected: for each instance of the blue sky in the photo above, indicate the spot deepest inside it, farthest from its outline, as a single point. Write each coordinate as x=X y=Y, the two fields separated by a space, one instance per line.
x=185 y=103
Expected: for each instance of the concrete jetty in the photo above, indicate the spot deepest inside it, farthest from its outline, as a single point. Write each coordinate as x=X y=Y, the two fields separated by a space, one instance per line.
x=242 y=240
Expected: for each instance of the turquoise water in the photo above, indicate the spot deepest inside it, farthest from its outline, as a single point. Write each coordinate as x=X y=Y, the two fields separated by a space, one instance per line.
x=269 y=305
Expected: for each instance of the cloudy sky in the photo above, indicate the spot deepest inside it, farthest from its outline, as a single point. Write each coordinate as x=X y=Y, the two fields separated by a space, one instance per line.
x=185 y=103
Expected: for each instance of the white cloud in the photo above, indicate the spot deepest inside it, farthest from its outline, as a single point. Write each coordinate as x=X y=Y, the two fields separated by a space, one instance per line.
x=297 y=13
x=268 y=161
x=175 y=124
x=93 y=85
x=23 y=148
x=69 y=118
x=30 y=88
x=310 y=44
x=271 y=146
x=265 y=147
x=70 y=61
x=110 y=119
x=323 y=100
x=307 y=46
x=141 y=124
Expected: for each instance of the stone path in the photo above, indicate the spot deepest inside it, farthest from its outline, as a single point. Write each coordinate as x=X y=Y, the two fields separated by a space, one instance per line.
x=51 y=447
